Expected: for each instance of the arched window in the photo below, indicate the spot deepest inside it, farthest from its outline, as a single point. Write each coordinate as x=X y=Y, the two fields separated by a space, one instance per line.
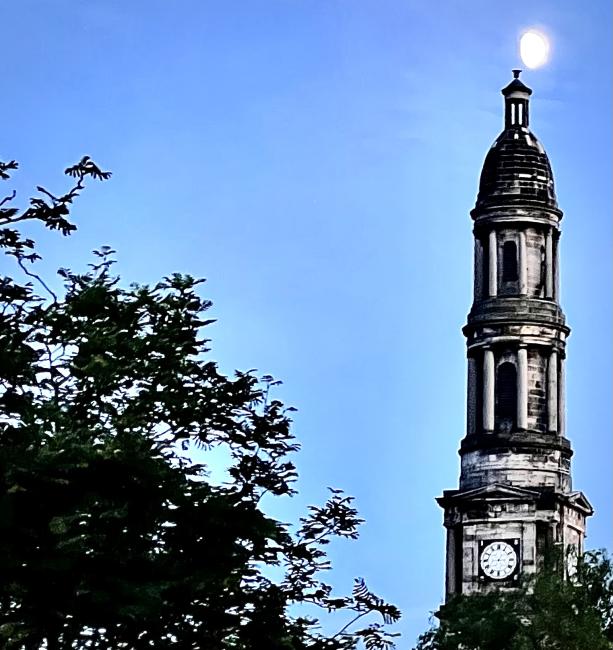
x=506 y=396
x=509 y=261
x=541 y=285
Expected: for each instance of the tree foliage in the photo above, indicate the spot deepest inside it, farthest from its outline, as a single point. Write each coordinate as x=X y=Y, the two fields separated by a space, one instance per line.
x=547 y=613
x=110 y=536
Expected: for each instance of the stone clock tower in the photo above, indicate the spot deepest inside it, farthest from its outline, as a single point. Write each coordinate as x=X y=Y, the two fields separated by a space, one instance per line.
x=515 y=499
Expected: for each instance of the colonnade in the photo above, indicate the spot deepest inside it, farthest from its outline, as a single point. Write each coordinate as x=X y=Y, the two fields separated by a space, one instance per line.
x=552 y=280
x=555 y=382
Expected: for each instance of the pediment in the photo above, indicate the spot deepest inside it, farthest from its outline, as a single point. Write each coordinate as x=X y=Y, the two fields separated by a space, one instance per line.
x=579 y=500
x=495 y=491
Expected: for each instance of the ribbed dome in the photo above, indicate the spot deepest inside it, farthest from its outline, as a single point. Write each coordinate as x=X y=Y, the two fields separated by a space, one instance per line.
x=516 y=172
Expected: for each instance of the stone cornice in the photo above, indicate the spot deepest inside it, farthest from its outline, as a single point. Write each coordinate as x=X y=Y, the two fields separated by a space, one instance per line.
x=515 y=310
x=516 y=440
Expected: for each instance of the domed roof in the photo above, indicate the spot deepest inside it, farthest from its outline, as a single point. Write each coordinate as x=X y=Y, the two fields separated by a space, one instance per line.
x=516 y=172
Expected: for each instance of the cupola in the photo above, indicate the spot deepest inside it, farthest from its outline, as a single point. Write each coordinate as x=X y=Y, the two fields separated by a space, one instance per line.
x=516 y=102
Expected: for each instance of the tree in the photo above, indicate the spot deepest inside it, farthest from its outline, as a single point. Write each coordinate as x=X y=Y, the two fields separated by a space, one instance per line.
x=547 y=613
x=110 y=536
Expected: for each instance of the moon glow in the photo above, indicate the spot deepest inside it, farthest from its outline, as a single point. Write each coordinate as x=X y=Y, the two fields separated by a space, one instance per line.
x=533 y=49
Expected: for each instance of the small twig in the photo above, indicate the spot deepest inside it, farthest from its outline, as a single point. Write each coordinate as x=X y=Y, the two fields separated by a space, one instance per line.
x=351 y=622
x=36 y=277
x=8 y=198
x=42 y=190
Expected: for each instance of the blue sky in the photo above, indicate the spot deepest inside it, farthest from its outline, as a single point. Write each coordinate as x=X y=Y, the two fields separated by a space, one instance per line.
x=316 y=160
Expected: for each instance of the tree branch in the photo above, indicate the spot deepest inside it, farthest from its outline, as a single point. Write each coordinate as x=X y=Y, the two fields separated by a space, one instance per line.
x=36 y=277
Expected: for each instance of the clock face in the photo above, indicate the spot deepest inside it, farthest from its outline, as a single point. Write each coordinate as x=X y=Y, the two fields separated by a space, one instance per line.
x=498 y=560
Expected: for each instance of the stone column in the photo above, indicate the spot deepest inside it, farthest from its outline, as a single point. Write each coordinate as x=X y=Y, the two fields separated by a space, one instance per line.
x=488 y=389
x=562 y=397
x=478 y=269
x=493 y=264
x=549 y=264
x=522 y=387
x=451 y=562
x=552 y=392
x=556 y=269
x=523 y=264
x=471 y=396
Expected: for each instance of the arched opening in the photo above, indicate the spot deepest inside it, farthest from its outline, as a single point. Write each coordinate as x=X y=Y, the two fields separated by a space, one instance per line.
x=506 y=397
x=541 y=285
x=509 y=262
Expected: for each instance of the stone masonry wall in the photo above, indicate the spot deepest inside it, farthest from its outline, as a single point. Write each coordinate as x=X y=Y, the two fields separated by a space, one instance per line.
x=536 y=468
x=537 y=390
x=535 y=245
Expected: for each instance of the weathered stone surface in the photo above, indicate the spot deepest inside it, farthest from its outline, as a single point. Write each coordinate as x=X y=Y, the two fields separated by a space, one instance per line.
x=531 y=468
x=516 y=170
x=515 y=309
x=537 y=385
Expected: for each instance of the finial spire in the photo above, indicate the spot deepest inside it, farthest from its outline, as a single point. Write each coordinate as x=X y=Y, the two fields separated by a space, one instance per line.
x=516 y=73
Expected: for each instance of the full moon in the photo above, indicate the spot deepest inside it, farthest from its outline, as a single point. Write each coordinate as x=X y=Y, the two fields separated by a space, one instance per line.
x=533 y=48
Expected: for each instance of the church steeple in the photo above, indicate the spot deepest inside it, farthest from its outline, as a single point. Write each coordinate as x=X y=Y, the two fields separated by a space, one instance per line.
x=515 y=498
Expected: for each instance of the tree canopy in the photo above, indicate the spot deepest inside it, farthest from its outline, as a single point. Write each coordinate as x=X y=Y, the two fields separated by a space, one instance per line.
x=546 y=613
x=110 y=535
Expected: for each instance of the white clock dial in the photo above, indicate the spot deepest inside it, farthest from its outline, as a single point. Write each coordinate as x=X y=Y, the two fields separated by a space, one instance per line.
x=498 y=560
